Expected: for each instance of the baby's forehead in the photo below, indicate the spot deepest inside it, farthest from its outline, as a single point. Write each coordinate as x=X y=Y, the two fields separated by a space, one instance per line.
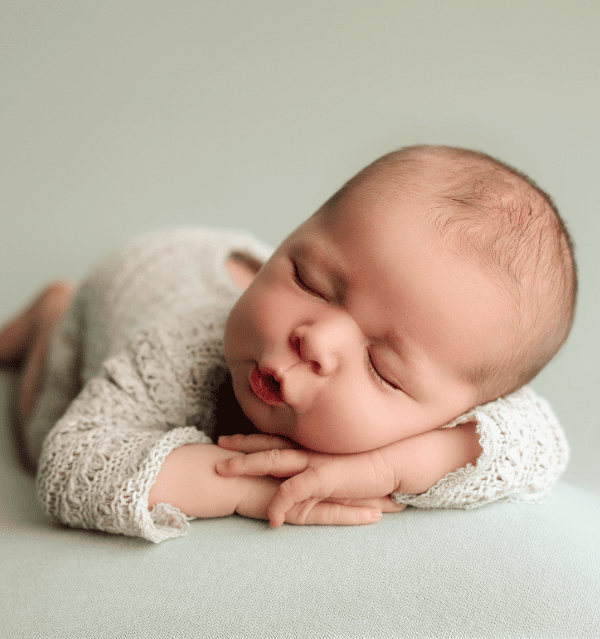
x=385 y=235
x=381 y=210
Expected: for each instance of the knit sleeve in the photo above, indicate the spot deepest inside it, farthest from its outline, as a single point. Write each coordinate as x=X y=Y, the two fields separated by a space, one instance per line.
x=524 y=451
x=101 y=458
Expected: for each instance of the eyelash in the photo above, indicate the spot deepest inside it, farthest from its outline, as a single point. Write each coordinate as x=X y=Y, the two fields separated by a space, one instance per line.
x=303 y=285
x=382 y=380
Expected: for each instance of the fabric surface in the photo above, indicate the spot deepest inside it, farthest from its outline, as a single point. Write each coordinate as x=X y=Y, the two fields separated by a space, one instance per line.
x=507 y=570
x=137 y=377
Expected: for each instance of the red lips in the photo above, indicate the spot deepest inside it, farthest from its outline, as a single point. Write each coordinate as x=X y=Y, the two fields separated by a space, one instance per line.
x=266 y=387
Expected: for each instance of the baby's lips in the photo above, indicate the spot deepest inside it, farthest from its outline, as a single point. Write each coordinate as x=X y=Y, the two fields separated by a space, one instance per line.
x=266 y=387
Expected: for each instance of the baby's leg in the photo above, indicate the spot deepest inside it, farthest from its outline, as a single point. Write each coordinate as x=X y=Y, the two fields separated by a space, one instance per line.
x=24 y=342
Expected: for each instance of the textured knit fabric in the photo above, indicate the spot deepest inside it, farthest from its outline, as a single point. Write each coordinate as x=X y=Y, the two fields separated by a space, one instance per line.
x=135 y=363
x=132 y=375
x=524 y=450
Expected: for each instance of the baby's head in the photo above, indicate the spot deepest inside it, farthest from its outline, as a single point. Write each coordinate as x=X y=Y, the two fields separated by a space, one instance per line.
x=434 y=280
x=498 y=220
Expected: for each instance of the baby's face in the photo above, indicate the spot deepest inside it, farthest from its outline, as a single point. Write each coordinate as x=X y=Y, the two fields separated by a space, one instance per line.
x=358 y=330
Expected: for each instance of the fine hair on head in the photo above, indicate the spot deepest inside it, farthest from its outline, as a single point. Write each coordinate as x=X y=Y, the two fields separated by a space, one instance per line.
x=497 y=219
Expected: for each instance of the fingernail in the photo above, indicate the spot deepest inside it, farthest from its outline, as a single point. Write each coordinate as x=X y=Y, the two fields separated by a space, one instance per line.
x=375 y=515
x=222 y=465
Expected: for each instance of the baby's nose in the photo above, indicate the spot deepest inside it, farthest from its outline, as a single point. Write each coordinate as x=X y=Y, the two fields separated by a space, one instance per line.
x=321 y=344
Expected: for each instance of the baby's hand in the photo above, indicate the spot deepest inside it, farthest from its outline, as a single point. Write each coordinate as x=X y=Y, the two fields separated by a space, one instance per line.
x=322 y=488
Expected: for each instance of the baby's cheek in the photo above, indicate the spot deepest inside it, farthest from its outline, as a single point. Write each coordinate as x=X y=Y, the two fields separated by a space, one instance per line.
x=265 y=311
x=340 y=427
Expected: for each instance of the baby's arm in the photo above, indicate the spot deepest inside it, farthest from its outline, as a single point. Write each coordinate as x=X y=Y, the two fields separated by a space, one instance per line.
x=189 y=481
x=411 y=465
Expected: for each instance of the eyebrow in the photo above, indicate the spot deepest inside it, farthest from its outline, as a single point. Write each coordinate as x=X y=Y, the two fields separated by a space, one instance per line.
x=320 y=252
x=326 y=258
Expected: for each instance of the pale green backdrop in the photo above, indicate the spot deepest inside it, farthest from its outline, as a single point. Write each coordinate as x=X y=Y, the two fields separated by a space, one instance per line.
x=117 y=117
x=121 y=116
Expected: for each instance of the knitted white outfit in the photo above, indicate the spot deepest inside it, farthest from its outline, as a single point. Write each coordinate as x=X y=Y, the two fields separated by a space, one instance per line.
x=132 y=375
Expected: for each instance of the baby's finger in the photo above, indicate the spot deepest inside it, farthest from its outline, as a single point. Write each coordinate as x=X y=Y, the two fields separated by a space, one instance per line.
x=253 y=443
x=296 y=490
x=275 y=462
x=329 y=514
x=391 y=506
x=385 y=504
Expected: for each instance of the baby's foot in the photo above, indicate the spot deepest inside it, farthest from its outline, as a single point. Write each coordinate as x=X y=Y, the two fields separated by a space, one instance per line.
x=24 y=341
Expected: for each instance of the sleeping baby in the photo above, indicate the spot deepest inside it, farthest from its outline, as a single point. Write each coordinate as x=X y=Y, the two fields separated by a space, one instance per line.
x=378 y=358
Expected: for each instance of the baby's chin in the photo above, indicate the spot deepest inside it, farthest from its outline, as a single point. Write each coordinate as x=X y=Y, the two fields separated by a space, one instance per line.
x=329 y=446
x=295 y=442
x=317 y=442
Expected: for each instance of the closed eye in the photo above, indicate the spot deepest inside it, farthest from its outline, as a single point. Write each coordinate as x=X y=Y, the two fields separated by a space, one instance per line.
x=303 y=285
x=377 y=375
